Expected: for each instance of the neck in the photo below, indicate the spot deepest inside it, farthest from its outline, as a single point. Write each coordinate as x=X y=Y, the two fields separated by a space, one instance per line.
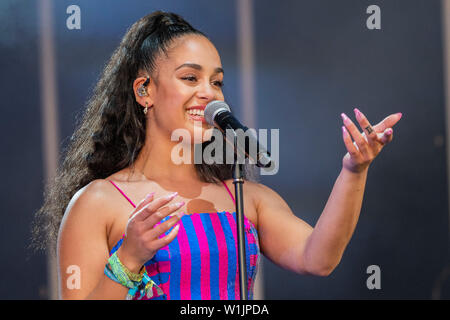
x=154 y=161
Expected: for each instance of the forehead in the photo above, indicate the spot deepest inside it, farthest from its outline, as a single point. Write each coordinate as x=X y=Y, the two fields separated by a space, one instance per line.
x=195 y=49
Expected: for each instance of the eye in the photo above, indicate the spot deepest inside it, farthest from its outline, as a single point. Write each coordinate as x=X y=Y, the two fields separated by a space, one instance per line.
x=190 y=78
x=219 y=83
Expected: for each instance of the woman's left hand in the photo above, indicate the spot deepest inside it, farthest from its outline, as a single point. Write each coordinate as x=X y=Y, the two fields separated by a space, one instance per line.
x=368 y=144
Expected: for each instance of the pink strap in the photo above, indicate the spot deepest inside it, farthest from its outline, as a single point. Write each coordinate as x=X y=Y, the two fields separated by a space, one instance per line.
x=129 y=200
x=229 y=191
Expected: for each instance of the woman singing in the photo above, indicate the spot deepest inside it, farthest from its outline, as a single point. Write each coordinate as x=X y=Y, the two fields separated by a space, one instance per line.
x=138 y=225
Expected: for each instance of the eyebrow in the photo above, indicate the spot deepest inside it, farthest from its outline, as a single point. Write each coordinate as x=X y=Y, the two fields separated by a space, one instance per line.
x=198 y=67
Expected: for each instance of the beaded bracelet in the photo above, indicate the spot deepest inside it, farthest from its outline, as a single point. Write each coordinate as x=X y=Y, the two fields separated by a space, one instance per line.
x=117 y=272
x=141 y=282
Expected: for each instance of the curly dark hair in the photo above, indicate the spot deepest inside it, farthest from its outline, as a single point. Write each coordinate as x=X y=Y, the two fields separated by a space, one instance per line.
x=111 y=132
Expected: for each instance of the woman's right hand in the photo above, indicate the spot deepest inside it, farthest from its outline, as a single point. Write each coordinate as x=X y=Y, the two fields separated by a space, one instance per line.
x=142 y=238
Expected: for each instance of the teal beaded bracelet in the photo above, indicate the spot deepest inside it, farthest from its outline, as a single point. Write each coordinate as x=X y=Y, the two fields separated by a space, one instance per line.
x=136 y=283
x=117 y=272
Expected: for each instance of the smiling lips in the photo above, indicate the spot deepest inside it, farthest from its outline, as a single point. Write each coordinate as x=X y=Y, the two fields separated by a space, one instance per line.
x=196 y=113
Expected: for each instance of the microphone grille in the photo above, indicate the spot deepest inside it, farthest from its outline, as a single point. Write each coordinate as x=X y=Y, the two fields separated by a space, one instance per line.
x=213 y=108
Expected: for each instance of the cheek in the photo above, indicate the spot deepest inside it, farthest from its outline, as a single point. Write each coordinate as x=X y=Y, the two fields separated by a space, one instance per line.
x=173 y=98
x=170 y=105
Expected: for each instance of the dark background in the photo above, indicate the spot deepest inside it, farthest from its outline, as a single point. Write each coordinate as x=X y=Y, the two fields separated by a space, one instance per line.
x=313 y=60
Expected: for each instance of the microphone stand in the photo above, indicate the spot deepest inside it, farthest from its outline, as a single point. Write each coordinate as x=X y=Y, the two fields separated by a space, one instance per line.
x=238 y=182
x=263 y=160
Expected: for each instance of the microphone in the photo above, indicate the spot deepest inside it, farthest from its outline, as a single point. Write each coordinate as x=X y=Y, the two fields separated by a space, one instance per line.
x=218 y=114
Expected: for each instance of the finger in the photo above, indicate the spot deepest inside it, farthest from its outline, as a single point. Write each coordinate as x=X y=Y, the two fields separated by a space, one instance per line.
x=155 y=218
x=387 y=136
x=154 y=205
x=162 y=228
x=164 y=241
x=143 y=203
x=351 y=148
x=360 y=141
x=365 y=125
x=388 y=122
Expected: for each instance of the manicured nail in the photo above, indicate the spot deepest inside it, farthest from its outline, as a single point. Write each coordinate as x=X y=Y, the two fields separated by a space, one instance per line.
x=149 y=195
x=400 y=114
x=181 y=214
x=357 y=112
x=345 y=118
x=178 y=204
x=389 y=131
x=171 y=196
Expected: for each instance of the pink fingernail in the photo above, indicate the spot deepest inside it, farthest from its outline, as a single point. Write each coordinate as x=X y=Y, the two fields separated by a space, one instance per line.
x=343 y=130
x=171 y=196
x=149 y=195
x=400 y=114
x=389 y=131
x=179 y=204
x=345 y=118
x=357 y=112
x=181 y=214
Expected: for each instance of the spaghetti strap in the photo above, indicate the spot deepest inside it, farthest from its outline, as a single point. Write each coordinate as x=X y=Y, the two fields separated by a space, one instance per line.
x=129 y=200
x=231 y=195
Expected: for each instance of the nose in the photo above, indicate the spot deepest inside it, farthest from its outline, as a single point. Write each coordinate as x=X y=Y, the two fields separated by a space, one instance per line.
x=206 y=92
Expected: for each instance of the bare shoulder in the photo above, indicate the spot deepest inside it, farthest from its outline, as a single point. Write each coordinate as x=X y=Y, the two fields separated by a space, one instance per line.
x=256 y=191
x=251 y=187
x=93 y=204
x=262 y=194
x=87 y=221
x=260 y=199
x=83 y=237
x=258 y=187
x=268 y=203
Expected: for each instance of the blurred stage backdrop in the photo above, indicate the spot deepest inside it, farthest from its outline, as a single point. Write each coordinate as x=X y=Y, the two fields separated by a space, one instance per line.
x=289 y=65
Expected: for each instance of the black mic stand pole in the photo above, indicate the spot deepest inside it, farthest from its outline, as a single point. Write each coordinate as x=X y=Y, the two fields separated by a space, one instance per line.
x=238 y=182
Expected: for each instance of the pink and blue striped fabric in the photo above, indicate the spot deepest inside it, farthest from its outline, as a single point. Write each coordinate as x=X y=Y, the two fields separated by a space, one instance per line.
x=201 y=263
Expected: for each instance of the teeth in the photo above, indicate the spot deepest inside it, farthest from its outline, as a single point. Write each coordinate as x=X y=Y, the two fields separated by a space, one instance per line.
x=196 y=112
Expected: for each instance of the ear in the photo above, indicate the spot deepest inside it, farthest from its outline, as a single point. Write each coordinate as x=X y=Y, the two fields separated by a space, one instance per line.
x=143 y=96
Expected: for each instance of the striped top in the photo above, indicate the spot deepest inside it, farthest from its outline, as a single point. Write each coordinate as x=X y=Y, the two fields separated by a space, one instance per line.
x=202 y=261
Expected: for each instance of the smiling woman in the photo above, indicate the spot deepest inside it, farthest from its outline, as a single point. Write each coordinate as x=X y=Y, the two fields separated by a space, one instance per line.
x=189 y=76
x=159 y=79
x=109 y=210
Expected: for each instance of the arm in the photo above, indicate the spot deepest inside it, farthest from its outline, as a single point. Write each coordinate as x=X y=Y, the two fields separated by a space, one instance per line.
x=82 y=242
x=332 y=232
x=293 y=244
x=83 y=239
